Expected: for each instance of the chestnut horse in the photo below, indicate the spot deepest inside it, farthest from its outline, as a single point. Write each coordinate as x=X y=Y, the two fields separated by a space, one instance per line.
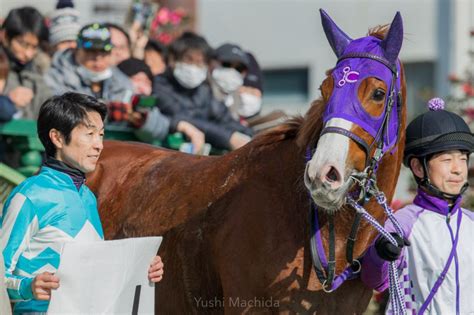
x=237 y=227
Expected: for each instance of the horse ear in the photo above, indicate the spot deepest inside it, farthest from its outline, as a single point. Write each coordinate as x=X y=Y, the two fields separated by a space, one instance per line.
x=393 y=41
x=336 y=37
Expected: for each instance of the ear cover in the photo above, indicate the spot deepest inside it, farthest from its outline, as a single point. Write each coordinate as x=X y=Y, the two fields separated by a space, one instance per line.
x=336 y=37
x=393 y=41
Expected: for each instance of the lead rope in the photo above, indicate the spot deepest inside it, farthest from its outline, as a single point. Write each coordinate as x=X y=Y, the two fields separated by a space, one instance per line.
x=397 y=298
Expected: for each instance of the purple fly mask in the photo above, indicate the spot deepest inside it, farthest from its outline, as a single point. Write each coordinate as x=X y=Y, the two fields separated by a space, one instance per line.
x=357 y=60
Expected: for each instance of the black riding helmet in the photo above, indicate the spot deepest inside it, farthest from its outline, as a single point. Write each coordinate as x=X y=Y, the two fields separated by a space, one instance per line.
x=436 y=131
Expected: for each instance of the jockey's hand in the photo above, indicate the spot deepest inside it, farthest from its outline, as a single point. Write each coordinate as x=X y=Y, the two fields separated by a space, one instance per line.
x=388 y=251
x=155 y=272
x=43 y=284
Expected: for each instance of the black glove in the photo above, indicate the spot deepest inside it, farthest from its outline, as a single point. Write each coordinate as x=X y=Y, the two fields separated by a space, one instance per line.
x=387 y=250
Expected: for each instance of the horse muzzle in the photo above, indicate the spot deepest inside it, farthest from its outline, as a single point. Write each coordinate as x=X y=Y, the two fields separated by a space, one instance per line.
x=328 y=189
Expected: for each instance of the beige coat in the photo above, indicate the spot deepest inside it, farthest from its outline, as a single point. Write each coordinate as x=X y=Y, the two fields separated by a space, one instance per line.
x=33 y=80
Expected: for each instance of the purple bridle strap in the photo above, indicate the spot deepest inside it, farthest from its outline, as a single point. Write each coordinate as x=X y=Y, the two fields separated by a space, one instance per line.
x=367 y=55
x=348 y=134
x=442 y=276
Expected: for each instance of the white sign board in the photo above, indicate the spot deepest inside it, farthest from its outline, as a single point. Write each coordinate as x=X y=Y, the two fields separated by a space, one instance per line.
x=5 y=308
x=109 y=277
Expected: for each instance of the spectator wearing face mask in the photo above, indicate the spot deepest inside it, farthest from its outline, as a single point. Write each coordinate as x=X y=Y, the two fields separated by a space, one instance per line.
x=23 y=31
x=151 y=124
x=249 y=100
x=88 y=68
x=228 y=69
x=184 y=94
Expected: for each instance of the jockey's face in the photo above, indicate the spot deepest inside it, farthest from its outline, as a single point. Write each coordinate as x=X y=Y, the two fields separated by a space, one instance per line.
x=85 y=146
x=447 y=171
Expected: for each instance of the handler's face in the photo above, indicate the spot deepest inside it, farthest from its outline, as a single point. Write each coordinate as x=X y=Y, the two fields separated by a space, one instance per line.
x=86 y=144
x=448 y=171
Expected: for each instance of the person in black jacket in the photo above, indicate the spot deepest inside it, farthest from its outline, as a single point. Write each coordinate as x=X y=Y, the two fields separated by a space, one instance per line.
x=184 y=94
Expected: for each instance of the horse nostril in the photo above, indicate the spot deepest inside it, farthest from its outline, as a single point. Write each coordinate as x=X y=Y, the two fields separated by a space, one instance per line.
x=332 y=175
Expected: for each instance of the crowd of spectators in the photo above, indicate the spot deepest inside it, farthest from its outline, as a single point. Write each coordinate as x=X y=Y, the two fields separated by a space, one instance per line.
x=205 y=93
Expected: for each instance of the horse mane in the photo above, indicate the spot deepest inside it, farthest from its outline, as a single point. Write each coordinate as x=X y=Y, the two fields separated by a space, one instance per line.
x=379 y=31
x=306 y=129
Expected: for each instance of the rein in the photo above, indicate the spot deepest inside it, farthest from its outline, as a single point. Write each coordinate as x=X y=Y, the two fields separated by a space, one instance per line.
x=325 y=269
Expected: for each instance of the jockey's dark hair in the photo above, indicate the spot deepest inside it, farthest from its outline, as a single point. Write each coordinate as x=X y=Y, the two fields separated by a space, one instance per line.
x=188 y=41
x=64 y=113
x=25 y=20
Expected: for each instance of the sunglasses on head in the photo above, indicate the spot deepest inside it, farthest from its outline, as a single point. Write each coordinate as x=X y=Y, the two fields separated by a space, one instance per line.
x=239 y=67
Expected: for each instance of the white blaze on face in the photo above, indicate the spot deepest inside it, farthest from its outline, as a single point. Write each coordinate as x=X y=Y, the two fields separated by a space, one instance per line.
x=331 y=151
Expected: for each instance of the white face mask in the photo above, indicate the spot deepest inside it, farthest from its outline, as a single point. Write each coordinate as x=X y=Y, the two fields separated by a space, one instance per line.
x=94 y=76
x=251 y=104
x=188 y=75
x=228 y=79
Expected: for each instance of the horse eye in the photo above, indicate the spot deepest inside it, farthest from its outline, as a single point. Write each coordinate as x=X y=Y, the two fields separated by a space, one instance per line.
x=378 y=95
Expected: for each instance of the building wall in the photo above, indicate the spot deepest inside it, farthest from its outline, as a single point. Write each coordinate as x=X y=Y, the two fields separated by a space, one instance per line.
x=461 y=44
x=287 y=34
x=91 y=10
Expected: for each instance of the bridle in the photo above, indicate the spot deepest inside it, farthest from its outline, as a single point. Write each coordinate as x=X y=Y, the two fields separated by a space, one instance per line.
x=366 y=180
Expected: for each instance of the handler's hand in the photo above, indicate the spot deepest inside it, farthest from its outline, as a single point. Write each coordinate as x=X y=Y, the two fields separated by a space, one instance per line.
x=387 y=250
x=43 y=284
x=155 y=272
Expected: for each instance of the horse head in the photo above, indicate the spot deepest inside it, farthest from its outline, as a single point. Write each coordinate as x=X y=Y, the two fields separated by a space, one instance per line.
x=362 y=112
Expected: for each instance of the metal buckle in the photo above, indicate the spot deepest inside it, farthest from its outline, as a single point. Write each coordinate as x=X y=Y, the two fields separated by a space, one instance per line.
x=324 y=287
x=359 y=266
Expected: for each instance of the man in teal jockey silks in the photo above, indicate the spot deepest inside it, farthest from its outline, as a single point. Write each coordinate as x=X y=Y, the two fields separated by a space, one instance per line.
x=55 y=206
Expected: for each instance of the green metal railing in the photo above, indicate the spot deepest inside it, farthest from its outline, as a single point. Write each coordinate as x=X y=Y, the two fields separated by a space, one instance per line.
x=22 y=136
x=9 y=179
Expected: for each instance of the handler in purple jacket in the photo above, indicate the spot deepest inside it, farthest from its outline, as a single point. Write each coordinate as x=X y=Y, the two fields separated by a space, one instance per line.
x=435 y=256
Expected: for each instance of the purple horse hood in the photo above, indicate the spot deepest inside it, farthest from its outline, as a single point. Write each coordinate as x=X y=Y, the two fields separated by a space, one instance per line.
x=360 y=59
x=348 y=75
